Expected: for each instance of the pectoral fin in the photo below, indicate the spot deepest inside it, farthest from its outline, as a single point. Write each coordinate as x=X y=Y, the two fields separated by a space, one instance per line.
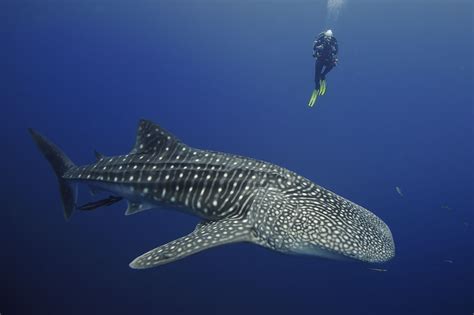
x=208 y=235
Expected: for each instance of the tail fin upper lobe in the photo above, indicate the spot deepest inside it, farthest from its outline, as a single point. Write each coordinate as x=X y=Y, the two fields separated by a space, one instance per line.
x=60 y=164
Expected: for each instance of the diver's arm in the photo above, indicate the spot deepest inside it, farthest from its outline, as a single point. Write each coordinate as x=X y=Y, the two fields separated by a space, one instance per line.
x=317 y=42
x=318 y=47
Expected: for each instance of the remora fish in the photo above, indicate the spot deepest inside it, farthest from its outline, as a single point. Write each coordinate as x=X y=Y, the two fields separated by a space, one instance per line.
x=99 y=203
x=239 y=200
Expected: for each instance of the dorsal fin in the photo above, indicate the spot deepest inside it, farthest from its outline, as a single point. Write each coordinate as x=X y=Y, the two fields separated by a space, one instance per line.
x=99 y=156
x=151 y=138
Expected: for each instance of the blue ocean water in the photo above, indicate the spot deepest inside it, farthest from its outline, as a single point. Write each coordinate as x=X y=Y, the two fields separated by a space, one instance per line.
x=236 y=76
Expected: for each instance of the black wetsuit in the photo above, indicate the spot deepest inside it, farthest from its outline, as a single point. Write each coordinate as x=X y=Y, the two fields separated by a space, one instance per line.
x=325 y=50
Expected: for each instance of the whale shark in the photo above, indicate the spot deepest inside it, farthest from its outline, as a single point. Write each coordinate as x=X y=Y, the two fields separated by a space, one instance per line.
x=238 y=199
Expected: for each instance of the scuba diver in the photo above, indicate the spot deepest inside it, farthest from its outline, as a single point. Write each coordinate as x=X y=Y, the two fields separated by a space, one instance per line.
x=325 y=50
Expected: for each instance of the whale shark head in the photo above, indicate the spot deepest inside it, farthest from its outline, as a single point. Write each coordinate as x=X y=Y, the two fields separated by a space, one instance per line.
x=340 y=229
x=320 y=223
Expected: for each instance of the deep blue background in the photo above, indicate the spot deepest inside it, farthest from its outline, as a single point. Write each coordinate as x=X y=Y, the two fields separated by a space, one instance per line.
x=235 y=76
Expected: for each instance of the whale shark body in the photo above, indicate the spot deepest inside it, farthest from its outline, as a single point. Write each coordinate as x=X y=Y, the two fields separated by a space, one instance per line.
x=239 y=199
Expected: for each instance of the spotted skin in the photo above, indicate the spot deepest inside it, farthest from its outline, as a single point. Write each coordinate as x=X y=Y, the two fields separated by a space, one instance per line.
x=239 y=199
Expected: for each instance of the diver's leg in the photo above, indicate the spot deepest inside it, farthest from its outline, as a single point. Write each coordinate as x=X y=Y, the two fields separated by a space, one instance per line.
x=317 y=74
x=327 y=68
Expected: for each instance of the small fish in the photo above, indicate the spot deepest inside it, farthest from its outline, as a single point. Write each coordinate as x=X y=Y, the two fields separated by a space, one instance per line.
x=449 y=261
x=446 y=207
x=100 y=203
x=378 y=269
x=399 y=191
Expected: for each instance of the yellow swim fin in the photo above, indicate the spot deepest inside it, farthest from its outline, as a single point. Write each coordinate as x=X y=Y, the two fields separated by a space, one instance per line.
x=323 y=87
x=313 y=98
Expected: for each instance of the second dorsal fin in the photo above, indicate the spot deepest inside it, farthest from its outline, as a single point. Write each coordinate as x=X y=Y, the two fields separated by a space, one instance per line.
x=151 y=138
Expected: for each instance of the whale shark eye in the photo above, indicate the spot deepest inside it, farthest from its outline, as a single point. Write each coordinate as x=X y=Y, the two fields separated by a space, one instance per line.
x=254 y=232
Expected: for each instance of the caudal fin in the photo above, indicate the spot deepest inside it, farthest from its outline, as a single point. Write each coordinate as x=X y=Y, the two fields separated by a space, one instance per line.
x=60 y=164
